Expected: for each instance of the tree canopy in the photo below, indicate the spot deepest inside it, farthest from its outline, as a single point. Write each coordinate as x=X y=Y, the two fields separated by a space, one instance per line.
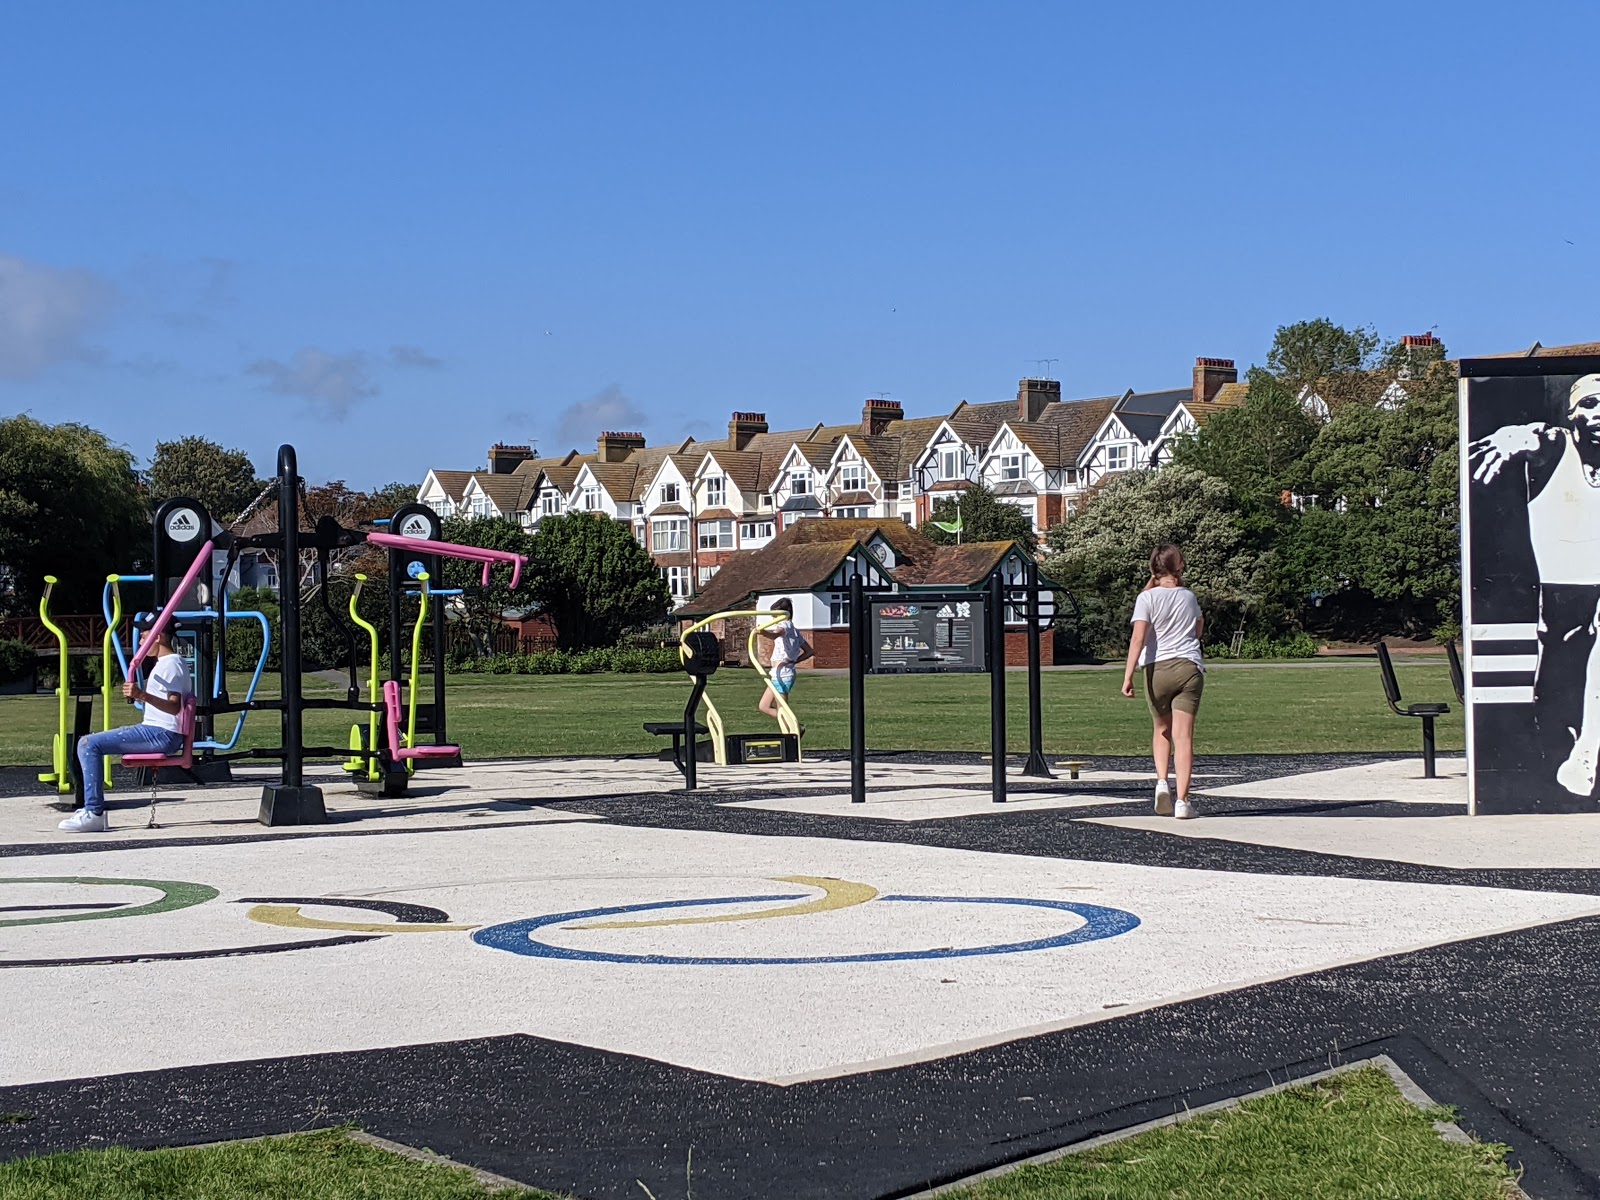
x=593 y=580
x=70 y=506
x=480 y=608
x=224 y=481
x=984 y=517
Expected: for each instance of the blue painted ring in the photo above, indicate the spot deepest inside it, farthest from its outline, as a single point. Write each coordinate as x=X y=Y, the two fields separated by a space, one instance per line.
x=1100 y=923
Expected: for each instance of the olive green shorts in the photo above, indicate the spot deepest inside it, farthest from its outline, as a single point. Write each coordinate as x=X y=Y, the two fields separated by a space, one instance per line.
x=1174 y=683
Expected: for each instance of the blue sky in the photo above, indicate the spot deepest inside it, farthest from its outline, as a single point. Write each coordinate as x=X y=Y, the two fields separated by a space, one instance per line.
x=393 y=233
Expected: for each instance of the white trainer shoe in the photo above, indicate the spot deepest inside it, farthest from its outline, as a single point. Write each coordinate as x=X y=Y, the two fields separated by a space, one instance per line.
x=84 y=821
x=1163 y=798
x=1184 y=810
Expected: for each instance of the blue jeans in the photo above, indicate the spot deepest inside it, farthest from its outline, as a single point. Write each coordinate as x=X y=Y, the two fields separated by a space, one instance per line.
x=130 y=739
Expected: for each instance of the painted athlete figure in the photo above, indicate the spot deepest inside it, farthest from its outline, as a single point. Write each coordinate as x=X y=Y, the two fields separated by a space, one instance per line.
x=1561 y=464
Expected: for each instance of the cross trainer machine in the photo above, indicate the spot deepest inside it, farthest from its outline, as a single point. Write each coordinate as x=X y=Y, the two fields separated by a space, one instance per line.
x=701 y=652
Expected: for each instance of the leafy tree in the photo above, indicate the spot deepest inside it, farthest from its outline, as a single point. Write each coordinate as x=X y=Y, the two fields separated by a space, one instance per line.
x=481 y=609
x=223 y=480
x=1381 y=546
x=1102 y=554
x=390 y=496
x=593 y=580
x=1337 y=364
x=69 y=506
x=984 y=517
x=1258 y=449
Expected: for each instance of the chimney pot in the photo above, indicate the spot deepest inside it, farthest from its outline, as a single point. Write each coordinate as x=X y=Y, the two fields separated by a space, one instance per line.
x=1033 y=395
x=616 y=447
x=1210 y=374
x=743 y=427
x=878 y=413
x=503 y=459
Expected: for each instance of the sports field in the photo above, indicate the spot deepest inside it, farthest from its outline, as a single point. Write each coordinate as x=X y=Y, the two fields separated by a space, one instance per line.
x=1318 y=706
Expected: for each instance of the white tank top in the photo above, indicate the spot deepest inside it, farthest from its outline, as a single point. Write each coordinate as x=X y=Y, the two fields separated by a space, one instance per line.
x=1564 y=523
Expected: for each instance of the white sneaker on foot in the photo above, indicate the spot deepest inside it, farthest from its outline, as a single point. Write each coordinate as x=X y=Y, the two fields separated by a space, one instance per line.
x=84 y=821
x=1184 y=810
x=1163 y=798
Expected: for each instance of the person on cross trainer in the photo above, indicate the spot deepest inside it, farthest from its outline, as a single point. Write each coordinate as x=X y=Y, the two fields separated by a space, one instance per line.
x=789 y=649
x=163 y=695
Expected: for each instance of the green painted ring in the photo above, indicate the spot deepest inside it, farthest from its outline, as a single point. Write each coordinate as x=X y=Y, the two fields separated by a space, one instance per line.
x=175 y=894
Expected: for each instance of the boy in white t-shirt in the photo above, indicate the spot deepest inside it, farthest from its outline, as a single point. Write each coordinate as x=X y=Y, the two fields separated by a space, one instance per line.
x=163 y=694
x=788 y=650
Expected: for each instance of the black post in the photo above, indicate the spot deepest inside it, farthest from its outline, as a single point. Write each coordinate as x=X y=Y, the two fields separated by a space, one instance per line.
x=1427 y=748
x=290 y=802
x=691 y=740
x=997 y=688
x=1035 y=767
x=859 y=627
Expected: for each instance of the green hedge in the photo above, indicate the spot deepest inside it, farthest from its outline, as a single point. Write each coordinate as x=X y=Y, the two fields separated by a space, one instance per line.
x=621 y=659
x=1299 y=645
x=16 y=660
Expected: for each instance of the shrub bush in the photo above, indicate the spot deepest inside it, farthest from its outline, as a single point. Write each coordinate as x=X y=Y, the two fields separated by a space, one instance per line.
x=1296 y=645
x=16 y=660
x=659 y=661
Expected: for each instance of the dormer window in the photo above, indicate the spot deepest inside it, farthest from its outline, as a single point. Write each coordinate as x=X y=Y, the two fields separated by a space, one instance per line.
x=800 y=483
x=669 y=493
x=716 y=491
x=591 y=498
x=1117 y=458
x=1011 y=466
x=853 y=477
x=950 y=465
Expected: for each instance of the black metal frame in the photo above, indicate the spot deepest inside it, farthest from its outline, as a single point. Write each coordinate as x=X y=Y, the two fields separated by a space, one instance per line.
x=997 y=595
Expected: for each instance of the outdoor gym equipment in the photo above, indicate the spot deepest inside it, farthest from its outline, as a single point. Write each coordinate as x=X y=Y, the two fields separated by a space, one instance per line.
x=63 y=746
x=701 y=652
x=361 y=740
x=182 y=761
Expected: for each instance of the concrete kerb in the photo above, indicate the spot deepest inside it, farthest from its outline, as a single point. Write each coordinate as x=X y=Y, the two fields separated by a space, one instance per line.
x=1408 y=1088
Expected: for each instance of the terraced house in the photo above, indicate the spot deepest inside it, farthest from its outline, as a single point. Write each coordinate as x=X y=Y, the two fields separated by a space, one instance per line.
x=693 y=504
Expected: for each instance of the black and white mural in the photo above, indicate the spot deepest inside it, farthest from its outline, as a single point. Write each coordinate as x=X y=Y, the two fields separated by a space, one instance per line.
x=1531 y=576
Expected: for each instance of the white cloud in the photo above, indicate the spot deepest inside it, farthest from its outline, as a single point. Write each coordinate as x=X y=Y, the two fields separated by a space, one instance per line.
x=414 y=356
x=44 y=314
x=607 y=409
x=333 y=383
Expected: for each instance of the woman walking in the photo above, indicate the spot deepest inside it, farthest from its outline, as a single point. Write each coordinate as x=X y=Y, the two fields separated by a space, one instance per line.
x=1167 y=628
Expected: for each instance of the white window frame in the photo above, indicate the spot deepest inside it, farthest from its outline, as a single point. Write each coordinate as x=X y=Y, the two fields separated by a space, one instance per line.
x=853 y=512
x=550 y=504
x=1010 y=466
x=853 y=477
x=799 y=483
x=591 y=497
x=718 y=537
x=951 y=463
x=669 y=535
x=754 y=531
x=677 y=581
x=669 y=493
x=716 y=491
x=1119 y=457
x=839 y=610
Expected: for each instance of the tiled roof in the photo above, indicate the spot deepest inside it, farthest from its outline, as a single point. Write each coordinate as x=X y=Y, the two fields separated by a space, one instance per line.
x=616 y=478
x=856 y=498
x=453 y=482
x=1229 y=395
x=1144 y=426
x=717 y=514
x=955 y=566
x=1077 y=420
x=510 y=493
x=1158 y=404
x=742 y=467
x=669 y=510
x=1538 y=351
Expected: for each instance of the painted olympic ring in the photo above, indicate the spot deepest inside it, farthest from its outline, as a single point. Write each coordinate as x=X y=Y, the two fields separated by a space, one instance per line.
x=174 y=895
x=516 y=936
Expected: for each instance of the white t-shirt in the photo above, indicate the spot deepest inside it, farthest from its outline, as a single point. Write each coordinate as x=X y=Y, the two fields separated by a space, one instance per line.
x=787 y=645
x=1174 y=616
x=169 y=677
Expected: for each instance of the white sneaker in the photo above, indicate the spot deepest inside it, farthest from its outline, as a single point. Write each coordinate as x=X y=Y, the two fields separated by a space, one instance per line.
x=1184 y=810
x=1163 y=798
x=84 y=821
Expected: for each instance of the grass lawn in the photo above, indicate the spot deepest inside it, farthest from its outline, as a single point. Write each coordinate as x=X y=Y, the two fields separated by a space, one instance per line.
x=1350 y=1136
x=1315 y=706
x=326 y=1165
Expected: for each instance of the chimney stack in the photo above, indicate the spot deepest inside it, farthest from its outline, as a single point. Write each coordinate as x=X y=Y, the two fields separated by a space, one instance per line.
x=1418 y=341
x=615 y=447
x=878 y=414
x=503 y=459
x=1209 y=376
x=1033 y=395
x=743 y=426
